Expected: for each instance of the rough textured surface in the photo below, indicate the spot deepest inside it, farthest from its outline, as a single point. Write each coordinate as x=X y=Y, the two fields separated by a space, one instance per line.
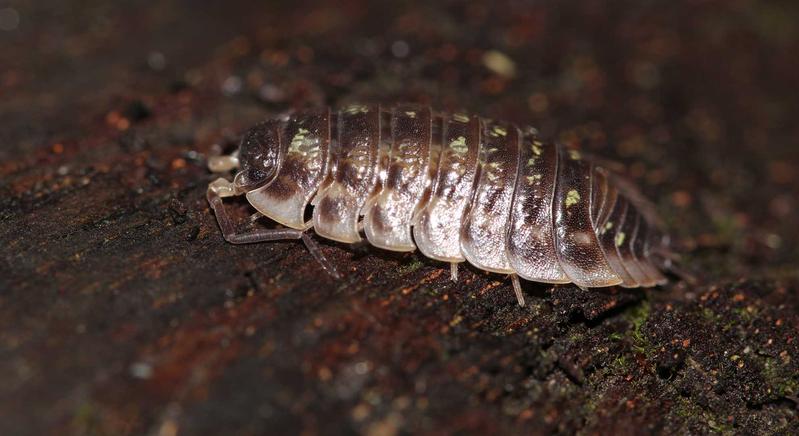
x=123 y=311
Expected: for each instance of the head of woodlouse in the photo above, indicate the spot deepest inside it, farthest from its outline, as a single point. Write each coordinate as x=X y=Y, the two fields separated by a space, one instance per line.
x=259 y=157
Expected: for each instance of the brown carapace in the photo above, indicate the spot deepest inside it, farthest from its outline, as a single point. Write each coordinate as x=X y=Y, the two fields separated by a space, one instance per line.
x=457 y=187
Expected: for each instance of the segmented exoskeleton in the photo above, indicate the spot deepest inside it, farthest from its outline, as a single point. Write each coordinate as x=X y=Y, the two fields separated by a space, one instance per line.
x=457 y=187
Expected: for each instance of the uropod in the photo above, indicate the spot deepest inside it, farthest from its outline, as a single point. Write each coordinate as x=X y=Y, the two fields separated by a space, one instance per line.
x=456 y=187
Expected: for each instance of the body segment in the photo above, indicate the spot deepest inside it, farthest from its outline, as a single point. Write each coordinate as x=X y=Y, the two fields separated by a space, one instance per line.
x=387 y=218
x=485 y=224
x=308 y=140
x=531 y=239
x=438 y=230
x=352 y=176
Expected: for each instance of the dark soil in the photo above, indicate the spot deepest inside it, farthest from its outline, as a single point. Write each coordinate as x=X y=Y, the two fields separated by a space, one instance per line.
x=124 y=312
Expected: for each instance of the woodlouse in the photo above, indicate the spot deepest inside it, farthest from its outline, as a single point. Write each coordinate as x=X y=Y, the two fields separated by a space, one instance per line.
x=457 y=187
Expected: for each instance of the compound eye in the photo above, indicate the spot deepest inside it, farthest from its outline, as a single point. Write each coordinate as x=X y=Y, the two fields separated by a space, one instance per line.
x=249 y=179
x=258 y=156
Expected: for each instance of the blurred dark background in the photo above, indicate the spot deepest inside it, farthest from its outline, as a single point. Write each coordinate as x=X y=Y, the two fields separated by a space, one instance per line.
x=123 y=312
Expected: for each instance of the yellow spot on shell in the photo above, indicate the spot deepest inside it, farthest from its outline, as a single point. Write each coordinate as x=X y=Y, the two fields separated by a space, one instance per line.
x=411 y=114
x=572 y=198
x=356 y=109
x=534 y=178
x=459 y=145
x=574 y=154
x=620 y=238
x=501 y=131
x=297 y=140
x=537 y=149
x=461 y=118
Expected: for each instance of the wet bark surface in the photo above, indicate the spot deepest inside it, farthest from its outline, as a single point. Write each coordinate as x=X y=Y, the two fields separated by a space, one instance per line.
x=123 y=311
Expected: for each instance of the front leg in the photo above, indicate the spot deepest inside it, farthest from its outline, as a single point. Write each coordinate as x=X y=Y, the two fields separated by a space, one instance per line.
x=221 y=188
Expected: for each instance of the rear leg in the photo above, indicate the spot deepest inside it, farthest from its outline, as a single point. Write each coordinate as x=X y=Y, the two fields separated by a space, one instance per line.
x=316 y=252
x=674 y=264
x=517 y=289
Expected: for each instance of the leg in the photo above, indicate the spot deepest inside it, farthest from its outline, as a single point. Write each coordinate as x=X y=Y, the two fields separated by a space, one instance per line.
x=231 y=234
x=255 y=217
x=676 y=269
x=316 y=252
x=222 y=188
x=668 y=261
x=517 y=288
x=453 y=271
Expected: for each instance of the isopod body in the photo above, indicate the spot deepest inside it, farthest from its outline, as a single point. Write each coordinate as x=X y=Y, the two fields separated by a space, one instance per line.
x=456 y=187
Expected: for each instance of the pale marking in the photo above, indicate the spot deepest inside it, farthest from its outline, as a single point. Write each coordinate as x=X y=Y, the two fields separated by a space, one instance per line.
x=336 y=190
x=572 y=198
x=461 y=118
x=620 y=239
x=356 y=109
x=499 y=130
x=582 y=238
x=537 y=148
x=359 y=155
x=533 y=179
x=399 y=161
x=411 y=114
x=459 y=145
x=298 y=141
x=574 y=154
